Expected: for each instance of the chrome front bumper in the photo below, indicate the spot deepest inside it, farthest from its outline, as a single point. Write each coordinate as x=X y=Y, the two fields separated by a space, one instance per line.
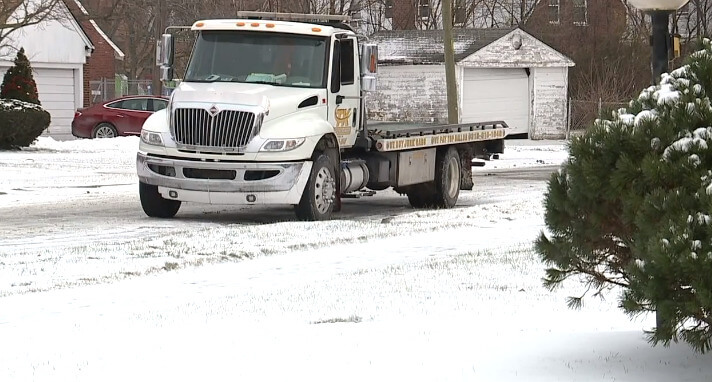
x=224 y=182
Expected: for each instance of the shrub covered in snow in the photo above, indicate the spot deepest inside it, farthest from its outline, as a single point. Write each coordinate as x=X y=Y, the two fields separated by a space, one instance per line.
x=22 y=120
x=631 y=208
x=20 y=123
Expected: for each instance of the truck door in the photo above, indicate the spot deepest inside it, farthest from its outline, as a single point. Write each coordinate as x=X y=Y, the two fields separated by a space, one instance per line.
x=344 y=99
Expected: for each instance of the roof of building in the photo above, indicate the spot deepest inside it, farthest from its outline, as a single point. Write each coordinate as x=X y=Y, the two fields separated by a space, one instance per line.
x=426 y=46
x=517 y=49
x=75 y=7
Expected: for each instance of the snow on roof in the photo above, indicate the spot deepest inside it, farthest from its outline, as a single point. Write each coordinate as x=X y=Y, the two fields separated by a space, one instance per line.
x=81 y=8
x=426 y=46
x=118 y=52
x=517 y=49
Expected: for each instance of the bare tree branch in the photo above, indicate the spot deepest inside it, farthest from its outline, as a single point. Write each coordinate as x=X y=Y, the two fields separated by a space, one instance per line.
x=17 y=14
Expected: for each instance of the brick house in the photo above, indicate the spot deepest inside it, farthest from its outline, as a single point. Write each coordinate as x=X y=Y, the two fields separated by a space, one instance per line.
x=594 y=33
x=577 y=23
x=102 y=62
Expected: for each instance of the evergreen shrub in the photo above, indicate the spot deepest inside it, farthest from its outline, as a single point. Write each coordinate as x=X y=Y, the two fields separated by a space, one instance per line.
x=631 y=208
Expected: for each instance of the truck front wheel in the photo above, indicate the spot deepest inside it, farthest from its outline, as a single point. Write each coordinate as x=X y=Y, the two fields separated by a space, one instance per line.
x=319 y=195
x=154 y=205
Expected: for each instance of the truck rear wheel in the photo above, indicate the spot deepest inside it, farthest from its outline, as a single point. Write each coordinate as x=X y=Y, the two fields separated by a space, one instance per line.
x=319 y=195
x=445 y=189
x=154 y=205
x=421 y=195
x=447 y=178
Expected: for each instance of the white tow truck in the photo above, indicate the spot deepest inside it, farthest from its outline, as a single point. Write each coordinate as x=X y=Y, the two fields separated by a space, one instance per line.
x=271 y=110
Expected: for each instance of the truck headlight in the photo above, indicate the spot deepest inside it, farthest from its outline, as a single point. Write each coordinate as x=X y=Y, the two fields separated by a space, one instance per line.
x=151 y=138
x=282 y=144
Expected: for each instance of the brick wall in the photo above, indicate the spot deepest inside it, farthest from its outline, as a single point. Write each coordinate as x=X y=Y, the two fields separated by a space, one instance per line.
x=100 y=65
x=404 y=14
x=414 y=93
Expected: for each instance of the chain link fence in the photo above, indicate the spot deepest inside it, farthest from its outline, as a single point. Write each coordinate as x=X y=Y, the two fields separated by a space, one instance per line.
x=582 y=113
x=105 y=89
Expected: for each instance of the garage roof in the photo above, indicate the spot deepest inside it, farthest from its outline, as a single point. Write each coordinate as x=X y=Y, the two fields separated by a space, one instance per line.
x=426 y=46
x=485 y=48
x=517 y=49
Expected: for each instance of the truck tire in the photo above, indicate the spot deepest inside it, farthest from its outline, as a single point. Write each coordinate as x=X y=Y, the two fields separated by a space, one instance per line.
x=447 y=178
x=319 y=195
x=154 y=205
x=421 y=195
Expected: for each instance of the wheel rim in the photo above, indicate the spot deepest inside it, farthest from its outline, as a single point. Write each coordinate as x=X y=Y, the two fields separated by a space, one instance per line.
x=324 y=190
x=452 y=177
x=104 y=131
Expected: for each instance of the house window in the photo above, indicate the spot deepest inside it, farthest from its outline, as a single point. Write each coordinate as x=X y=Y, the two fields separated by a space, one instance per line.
x=580 y=12
x=424 y=8
x=389 y=9
x=460 y=12
x=554 y=11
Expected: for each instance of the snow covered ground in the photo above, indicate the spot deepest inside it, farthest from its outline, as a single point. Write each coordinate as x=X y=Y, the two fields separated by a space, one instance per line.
x=91 y=289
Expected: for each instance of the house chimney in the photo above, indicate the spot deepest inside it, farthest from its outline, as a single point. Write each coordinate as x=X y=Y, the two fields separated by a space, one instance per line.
x=404 y=12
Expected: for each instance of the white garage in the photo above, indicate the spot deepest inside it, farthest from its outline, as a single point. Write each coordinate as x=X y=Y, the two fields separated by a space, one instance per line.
x=502 y=74
x=57 y=89
x=490 y=94
x=57 y=51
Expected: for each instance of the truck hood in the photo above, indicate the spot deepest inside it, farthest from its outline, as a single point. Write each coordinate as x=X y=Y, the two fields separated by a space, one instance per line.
x=278 y=101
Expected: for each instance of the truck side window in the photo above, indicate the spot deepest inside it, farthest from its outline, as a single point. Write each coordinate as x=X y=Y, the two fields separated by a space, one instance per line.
x=347 y=61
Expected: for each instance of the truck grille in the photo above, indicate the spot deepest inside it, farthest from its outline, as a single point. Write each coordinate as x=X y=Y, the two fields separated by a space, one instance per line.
x=226 y=129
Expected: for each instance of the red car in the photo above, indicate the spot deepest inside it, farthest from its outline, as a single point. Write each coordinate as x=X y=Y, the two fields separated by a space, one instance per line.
x=118 y=117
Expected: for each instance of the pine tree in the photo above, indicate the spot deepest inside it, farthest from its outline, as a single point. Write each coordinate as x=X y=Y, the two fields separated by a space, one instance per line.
x=18 y=82
x=632 y=206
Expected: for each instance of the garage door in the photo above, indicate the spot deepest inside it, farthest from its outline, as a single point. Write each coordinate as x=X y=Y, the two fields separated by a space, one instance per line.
x=56 y=91
x=497 y=94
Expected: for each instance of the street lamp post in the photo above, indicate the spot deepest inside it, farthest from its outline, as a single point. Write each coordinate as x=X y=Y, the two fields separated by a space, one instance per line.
x=659 y=11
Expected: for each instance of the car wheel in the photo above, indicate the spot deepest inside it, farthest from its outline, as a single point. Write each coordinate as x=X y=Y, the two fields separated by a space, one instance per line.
x=104 y=130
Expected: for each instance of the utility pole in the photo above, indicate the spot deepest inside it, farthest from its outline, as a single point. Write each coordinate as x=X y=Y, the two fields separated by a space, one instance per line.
x=452 y=113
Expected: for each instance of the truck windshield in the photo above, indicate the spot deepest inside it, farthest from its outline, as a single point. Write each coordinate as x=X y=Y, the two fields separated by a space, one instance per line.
x=259 y=57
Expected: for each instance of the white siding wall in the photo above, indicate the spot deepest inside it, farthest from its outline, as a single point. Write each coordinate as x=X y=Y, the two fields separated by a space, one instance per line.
x=550 y=92
x=409 y=93
x=52 y=42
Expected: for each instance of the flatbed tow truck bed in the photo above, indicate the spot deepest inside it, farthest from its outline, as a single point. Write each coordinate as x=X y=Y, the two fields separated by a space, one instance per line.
x=395 y=136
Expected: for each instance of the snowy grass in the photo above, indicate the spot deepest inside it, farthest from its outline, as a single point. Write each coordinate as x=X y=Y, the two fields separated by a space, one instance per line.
x=90 y=289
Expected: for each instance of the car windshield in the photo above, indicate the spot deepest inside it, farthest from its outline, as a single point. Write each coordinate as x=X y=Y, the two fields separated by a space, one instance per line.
x=259 y=57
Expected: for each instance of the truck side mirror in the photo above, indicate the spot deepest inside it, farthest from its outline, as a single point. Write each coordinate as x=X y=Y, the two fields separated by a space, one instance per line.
x=336 y=68
x=165 y=50
x=369 y=67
